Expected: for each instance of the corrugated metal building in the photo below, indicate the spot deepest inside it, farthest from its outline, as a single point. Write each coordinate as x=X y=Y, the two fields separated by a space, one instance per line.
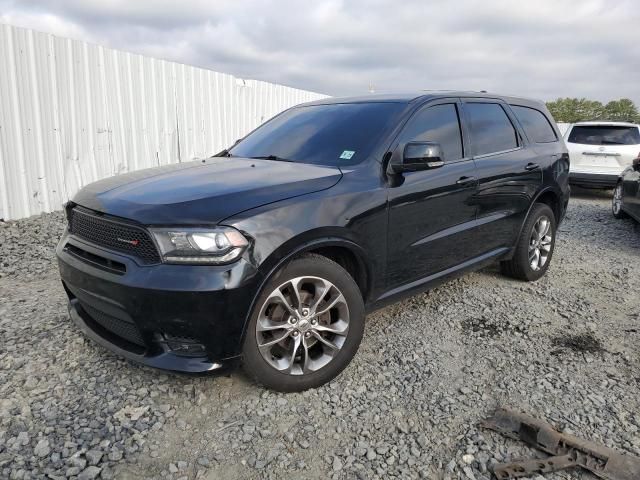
x=72 y=113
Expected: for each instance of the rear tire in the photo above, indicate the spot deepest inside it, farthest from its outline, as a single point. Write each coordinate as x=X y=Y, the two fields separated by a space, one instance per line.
x=305 y=327
x=616 y=203
x=533 y=252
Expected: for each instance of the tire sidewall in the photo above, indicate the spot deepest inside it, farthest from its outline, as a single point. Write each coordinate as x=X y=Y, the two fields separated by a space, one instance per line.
x=310 y=265
x=523 y=248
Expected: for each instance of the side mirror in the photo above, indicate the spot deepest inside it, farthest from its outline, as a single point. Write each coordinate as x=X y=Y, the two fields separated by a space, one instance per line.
x=419 y=156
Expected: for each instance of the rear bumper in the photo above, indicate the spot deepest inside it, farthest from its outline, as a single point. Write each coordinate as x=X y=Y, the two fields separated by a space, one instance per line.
x=175 y=317
x=593 y=179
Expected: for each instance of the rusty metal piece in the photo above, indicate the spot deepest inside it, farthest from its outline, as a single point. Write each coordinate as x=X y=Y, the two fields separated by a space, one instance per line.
x=526 y=468
x=599 y=460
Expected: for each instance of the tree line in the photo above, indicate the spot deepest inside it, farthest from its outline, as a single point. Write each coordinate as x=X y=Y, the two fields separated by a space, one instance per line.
x=573 y=110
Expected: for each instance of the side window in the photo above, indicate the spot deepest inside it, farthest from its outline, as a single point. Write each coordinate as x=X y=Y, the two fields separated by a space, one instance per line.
x=535 y=124
x=491 y=129
x=436 y=124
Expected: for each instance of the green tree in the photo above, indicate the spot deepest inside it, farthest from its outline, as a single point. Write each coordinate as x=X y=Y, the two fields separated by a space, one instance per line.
x=622 y=110
x=573 y=110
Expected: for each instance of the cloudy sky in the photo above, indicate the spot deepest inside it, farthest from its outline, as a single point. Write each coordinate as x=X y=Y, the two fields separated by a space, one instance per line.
x=544 y=48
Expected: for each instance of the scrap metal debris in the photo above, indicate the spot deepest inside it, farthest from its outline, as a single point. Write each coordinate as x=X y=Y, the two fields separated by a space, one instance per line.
x=567 y=451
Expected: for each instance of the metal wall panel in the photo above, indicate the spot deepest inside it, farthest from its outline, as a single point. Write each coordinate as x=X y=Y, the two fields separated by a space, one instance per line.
x=72 y=113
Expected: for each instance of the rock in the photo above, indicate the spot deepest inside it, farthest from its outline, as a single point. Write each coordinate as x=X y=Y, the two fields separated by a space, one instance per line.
x=72 y=472
x=77 y=461
x=304 y=444
x=132 y=413
x=42 y=448
x=93 y=457
x=115 y=455
x=23 y=438
x=89 y=473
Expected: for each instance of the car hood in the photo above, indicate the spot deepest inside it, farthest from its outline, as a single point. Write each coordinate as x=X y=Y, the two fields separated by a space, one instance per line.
x=203 y=192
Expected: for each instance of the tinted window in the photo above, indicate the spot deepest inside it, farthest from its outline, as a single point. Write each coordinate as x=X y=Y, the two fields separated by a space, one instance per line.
x=604 y=135
x=437 y=124
x=335 y=134
x=535 y=124
x=491 y=129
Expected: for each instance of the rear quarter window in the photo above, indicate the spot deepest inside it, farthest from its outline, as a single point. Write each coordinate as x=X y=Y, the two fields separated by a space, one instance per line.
x=604 y=135
x=535 y=124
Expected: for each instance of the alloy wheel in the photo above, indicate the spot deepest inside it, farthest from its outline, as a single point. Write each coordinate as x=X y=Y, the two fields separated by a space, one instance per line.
x=302 y=325
x=540 y=243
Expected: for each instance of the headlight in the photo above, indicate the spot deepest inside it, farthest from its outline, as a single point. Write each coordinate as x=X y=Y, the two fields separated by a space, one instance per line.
x=199 y=246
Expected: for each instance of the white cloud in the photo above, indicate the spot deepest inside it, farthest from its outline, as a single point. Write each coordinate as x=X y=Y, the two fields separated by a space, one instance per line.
x=543 y=49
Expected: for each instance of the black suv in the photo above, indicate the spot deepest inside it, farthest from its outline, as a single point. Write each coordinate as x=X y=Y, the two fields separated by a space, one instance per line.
x=273 y=251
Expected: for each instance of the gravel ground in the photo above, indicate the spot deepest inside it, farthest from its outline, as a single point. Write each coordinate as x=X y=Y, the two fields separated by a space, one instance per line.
x=429 y=369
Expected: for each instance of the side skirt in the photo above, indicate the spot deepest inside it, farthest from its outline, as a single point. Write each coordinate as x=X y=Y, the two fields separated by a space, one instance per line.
x=426 y=283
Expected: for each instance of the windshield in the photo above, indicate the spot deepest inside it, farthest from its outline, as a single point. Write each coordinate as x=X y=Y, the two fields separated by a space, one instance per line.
x=335 y=134
x=604 y=135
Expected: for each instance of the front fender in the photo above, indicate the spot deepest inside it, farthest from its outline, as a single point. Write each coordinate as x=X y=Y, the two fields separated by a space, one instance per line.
x=315 y=240
x=351 y=215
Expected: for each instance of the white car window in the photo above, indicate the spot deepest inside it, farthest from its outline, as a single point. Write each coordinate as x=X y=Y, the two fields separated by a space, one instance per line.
x=604 y=135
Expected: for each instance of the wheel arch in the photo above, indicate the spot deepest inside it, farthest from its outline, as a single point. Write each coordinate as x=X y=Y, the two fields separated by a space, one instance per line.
x=335 y=247
x=345 y=252
x=549 y=197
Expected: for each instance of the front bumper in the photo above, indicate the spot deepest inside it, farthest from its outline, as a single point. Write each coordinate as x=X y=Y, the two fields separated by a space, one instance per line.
x=176 y=317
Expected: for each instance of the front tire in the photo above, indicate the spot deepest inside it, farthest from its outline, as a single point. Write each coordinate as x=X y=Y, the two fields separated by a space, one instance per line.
x=305 y=327
x=616 y=203
x=535 y=246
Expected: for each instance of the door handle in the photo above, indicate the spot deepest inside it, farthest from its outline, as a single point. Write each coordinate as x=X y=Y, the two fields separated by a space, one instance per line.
x=531 y=166
x=466 y=180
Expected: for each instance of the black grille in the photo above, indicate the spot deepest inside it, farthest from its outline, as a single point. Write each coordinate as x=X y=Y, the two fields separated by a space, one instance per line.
x=122 y=328
x=96 y=260
x=113 y=234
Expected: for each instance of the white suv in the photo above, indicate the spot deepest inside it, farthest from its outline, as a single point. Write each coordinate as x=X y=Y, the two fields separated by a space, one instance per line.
x=600 y=151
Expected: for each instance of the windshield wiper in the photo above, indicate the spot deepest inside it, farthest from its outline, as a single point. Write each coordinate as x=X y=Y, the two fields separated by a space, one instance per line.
x=223 y=153
x=272 y=157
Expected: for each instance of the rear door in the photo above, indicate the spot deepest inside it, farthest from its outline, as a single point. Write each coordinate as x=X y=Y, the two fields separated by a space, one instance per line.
x=601 y=148
x=509 y=173
x=431 y=212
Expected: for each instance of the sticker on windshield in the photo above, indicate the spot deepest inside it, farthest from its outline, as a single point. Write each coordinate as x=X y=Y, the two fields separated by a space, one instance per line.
x=347 y=154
